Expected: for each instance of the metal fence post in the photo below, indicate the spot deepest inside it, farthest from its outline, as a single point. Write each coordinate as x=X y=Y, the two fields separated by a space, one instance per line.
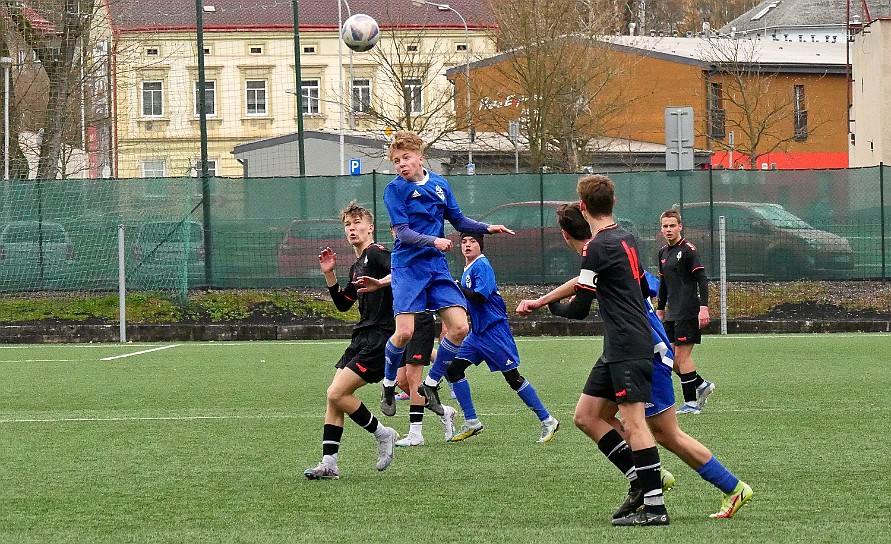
x=882 y=212
x=541 y=233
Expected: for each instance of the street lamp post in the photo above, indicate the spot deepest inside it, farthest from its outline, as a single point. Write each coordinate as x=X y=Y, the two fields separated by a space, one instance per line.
x=6 y=63
x=468 y=113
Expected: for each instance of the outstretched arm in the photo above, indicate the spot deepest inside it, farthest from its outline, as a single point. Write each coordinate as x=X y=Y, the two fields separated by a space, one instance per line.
x=526 y=307
x=368 y=284
x=577 y=308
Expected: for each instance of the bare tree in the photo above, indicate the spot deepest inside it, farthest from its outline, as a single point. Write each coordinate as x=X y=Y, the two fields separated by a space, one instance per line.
x=761 y=106
x=558 y=70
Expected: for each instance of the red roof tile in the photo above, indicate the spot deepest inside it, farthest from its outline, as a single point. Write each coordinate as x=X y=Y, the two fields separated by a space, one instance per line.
x=315 y=15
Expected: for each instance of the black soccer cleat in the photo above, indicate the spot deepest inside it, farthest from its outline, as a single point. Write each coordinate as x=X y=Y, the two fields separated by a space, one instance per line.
x=633 y=503
x=642 y=519
x=388 y=401
x=432 y=396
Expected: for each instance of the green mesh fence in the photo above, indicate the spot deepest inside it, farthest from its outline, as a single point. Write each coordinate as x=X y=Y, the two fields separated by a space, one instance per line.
x=62 y=235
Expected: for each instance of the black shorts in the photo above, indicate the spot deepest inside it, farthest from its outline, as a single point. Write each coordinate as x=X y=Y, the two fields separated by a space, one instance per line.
x=621 y=381
x=365 y=354
x=417 y=352
x=683 y=331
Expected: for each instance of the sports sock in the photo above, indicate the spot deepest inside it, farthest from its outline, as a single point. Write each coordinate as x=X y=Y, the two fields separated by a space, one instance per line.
x=648 y=468
x=462 y=393
x=530 y=398
x=616 y=450
x=415 y=419
x=716 y=474
x=365 y=419
x=444 y=355
x=688 y=385
x=331 y=435
x=393 y=357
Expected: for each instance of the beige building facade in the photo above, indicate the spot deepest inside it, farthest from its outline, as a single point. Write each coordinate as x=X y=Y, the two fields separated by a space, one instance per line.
x=870 y=142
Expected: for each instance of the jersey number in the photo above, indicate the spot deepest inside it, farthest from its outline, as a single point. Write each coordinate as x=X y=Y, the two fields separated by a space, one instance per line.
x=632 y=259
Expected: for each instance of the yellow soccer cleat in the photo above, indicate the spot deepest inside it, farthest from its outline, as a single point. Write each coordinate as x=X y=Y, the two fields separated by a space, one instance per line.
x=734 y=501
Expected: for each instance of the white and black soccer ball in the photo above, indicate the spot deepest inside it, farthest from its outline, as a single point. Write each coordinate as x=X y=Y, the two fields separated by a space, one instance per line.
x=360 y=32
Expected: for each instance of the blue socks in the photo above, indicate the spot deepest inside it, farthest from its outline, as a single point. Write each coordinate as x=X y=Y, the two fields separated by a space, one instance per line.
x=462 y=393
x=714 y=473
x=444 y=355
x=393 y=357
x=530 y=397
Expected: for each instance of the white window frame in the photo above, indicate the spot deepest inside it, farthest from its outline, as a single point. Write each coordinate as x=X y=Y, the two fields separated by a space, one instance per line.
x=414 y=91
x=157 y=98
x=210 y=106
x=150 y=168
x=311 y=96
x=358 y=92
x=256 y=95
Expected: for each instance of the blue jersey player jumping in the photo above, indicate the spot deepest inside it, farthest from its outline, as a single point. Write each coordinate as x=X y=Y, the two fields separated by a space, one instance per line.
x=490 y=340
x=419 y=202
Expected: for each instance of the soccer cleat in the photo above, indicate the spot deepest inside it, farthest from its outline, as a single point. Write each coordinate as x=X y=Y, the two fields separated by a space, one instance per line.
x=642 y=518
x=668 y=480
x=633 y=502
x=385 y=449
x=432 y=396
x=467 y=430
x=402 y=395
x=410 y=440
x=688 y=408
x=388 y=401
x=448 y=422
x=322 y=471
x=549 y=428
x=702 y=392
x=733 y=501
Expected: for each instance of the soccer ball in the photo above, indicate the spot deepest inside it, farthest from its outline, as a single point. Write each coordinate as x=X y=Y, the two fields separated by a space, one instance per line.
x=360 y=32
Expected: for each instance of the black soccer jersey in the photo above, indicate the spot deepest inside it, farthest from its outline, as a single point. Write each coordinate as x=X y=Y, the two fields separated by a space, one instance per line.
x=684 y=287
x=376 y=307
x=610 y=268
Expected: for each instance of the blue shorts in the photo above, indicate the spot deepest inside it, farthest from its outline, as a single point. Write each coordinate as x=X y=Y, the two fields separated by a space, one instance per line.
x=662 y=397
x=429 y=288
x=495 y=345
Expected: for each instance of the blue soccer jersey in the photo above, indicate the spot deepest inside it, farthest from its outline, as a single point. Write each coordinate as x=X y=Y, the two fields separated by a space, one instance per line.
x=423 y=206
x=478 y=276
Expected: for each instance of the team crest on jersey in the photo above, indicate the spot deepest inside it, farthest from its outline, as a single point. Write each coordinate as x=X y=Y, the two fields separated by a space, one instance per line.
x=440 y=193
x=679 y=255
x=366 y=261
x=467 y=282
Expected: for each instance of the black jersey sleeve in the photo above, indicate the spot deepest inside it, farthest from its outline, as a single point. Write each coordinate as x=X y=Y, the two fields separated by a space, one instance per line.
x=702 y=282
x=343 y=298
x=578 y=308
x=473 y=296
x=380 y=256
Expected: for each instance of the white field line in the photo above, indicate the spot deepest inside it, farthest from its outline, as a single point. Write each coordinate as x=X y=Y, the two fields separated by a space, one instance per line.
x=138 y=352
x=37 y=361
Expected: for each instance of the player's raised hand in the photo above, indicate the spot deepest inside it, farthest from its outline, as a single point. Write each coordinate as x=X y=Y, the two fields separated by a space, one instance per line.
x=367 y=284
x=500 y=229
x=527 y=307
x=443 y=244
x=327 y=260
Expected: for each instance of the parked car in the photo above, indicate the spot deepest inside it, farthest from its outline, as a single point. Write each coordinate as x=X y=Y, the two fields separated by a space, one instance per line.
x=766 y=240
x=536 y=253
x=298 y=252
x=165 y=250
x=33 y=253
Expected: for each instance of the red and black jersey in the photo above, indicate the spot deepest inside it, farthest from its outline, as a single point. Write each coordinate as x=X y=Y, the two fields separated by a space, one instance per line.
x=376 y=307
x=612 y=270
x=684 y=285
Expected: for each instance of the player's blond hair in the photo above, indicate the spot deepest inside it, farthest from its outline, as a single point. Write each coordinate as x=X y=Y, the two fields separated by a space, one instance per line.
x=405 y=140
x=355 y=211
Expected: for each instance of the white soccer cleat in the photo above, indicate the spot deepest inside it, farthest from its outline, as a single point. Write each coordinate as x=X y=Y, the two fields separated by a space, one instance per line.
x=386 y=449
x=322 y=471
x=702 y=392
x=549 y=428
x=409 y=440
x=448 y=422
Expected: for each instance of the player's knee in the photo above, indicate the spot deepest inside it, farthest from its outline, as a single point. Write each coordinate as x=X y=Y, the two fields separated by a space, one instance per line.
x=455 y=370
x=514 y=379
x=458 y=333
x=335 y=395
x=581 y=421
x=401 y=337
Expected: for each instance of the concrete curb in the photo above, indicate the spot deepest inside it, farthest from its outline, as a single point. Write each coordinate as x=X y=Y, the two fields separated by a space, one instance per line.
x=76 y=333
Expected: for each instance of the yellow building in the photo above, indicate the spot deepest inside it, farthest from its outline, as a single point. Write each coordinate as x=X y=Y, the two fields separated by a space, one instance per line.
x=251 y=77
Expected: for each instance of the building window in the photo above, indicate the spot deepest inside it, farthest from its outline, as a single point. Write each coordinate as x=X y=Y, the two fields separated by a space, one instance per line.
x=800 y=114
x=152 y=99
x=413 y=97
x=412 y=48
x=361 y=95
x=716 y=112
x=310 y=100
x=461 y=47
x=309 y=50
x=255 y=49
x=152 y=51
x=210 y=98
x=211 y=169
x=207 y=51
x=256 y=97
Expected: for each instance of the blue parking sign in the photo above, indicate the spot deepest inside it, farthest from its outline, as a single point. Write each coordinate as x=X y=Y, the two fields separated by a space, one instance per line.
x=355 y=167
